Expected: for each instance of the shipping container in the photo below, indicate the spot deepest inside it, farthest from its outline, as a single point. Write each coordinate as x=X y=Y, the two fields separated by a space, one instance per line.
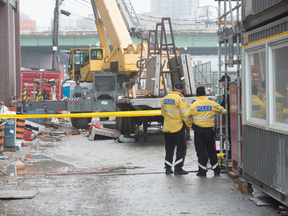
x=28 y=76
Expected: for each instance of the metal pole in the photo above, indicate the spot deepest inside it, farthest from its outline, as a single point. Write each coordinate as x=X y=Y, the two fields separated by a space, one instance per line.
x=55 y=37
x=231 y=15
x=226 y=86
x=239 y=99
x=219 y=76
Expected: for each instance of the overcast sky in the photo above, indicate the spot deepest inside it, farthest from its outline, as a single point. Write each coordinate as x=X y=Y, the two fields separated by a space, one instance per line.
x=42 y=10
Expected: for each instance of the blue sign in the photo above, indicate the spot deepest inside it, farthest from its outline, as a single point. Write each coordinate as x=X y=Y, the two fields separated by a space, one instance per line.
x=204 y=108
x=169 y=101
x=279 y=100
x=256 y=107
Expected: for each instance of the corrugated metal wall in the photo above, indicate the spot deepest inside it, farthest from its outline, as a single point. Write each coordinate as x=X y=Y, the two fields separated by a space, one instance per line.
x=257 y=13
x=260 y=5
x=265 y=157
x=267 y=31
x=253 y=7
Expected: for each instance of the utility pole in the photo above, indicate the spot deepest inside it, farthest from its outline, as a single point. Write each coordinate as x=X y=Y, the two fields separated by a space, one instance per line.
x=55 y=37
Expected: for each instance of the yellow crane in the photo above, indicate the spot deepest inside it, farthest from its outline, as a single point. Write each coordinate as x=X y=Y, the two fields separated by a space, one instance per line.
x=110 y=15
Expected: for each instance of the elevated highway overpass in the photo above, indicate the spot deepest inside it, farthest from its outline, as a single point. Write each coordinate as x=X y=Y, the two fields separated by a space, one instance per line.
x=36 y=47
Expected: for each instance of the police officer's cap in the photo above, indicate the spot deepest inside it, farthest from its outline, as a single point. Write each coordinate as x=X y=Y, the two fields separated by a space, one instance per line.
x=223 y=78
x=1 y=102
x=179 y=85
x=200 y=91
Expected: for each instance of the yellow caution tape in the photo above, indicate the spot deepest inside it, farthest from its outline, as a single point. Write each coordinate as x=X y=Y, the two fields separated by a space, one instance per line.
x=85 y=115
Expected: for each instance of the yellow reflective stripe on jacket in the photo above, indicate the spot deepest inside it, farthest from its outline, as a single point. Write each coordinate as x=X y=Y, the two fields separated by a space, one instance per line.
x=173 y=107
x=204 y=118
x=173 y=111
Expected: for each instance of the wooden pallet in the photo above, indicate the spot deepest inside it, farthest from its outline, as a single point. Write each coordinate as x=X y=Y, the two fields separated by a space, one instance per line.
x=26 y=143
x=134 y=92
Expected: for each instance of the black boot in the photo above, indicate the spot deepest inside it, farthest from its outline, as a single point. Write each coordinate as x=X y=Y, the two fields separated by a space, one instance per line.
x=217 y=171
x=168 y=170
x=180 y=172
x=200 y=174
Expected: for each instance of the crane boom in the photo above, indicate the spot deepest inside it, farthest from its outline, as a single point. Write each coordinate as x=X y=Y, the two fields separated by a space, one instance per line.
x=113 y=22
x=130 y=18
x=116 y=21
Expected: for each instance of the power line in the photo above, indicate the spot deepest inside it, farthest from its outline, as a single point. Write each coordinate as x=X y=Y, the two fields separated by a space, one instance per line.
x=78 y=4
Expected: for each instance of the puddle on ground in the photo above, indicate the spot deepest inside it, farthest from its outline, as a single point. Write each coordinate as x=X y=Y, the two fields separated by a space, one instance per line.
x=36 y=163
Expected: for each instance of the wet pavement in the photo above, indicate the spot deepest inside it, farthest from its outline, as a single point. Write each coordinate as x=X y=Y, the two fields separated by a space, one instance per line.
x=81 y=177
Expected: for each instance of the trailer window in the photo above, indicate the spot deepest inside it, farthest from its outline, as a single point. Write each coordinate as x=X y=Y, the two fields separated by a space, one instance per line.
x=70 y=66
x=77 y=57
x=84 y=58
x=279 y=91
x=257 y=103
x=96 y=54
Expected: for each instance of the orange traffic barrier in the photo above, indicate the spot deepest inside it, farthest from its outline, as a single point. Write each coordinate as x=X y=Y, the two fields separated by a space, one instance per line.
x=20 y=123
x=14 y=109
x=1 y=139
x=59 y=112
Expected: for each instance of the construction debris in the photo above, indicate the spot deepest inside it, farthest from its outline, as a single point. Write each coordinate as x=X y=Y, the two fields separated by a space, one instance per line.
x=73 y=132
x=36 y=128
x=26 y=143
x=51 y=124
x=100 y=130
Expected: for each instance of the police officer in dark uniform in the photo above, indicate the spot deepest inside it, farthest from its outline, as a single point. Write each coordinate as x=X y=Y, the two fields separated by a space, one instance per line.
x=201 y=114
x=173 y=108
x=222 y=80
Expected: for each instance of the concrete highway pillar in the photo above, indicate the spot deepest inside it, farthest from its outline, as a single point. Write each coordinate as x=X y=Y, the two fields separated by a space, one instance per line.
x=5 y=90
x=9 y=51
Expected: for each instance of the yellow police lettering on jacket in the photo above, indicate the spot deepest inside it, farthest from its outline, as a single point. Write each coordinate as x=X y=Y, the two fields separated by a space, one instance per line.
x=173 y=108
x=202 y=112
x=258 y=107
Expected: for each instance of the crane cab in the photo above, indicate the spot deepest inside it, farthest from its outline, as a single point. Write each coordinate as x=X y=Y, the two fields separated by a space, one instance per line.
x=83 y=62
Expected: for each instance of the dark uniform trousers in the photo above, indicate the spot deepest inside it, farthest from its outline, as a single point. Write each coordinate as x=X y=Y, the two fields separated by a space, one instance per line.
x=171 y=140
x=204 y=142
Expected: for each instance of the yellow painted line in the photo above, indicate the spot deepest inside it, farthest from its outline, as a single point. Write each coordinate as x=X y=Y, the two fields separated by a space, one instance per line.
x=84 y=115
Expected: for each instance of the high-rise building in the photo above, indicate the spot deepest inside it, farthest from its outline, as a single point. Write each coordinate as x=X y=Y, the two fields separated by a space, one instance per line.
x=66 y=23
x=175 y=9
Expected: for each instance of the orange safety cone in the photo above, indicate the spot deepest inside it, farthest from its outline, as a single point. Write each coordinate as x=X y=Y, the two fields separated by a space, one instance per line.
x=2 y=156
x=59 y=119
x=20 y=124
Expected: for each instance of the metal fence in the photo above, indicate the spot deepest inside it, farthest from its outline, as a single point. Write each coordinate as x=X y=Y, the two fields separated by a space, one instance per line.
x=204 y=77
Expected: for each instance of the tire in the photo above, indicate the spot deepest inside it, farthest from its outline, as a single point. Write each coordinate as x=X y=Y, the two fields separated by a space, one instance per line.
x=104 y=118
x=127 y=125
x=81 y=123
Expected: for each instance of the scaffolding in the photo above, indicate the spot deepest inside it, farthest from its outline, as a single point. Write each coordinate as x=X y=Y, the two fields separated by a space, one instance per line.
x=229 y=34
